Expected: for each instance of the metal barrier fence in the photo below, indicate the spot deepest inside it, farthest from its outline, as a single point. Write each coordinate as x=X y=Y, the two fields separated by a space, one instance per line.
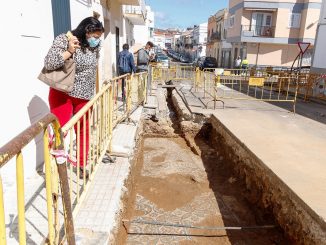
x=222 y=84
x=100 y=116
x=53 y=171
x=88 y=138
x=174 y=72
x=264 y=84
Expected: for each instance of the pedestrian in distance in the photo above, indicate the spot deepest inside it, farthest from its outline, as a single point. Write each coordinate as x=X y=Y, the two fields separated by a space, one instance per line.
x=237 y=65
x=144 y=57
x=83 y=45
x=244 y=64
x=126 y=65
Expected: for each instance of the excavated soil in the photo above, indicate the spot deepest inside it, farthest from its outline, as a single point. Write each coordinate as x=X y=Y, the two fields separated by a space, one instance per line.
x=179 y=179
x=174 y=185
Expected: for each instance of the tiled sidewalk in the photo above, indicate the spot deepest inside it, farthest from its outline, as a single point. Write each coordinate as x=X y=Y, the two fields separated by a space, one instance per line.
x=97 y=215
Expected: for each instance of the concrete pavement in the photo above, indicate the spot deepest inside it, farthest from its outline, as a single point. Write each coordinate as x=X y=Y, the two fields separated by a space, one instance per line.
x=289 y=147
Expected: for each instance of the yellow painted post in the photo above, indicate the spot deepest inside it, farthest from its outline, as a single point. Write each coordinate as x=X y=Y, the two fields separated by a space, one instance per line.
x=110 y=116
x=84 y=150
x=128 y=80
x=197 y=78
x=91 y=147
x=145 y=87
x=2 y=217
x=71 y=156
x=20 y=199
x=48 y=185
x=78 y=159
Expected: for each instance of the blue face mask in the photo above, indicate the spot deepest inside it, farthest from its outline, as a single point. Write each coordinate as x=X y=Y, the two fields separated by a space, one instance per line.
x=93 y=42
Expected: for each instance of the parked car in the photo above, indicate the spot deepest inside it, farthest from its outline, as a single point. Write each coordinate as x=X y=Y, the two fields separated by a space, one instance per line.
x=162 y=59
x=183 y=59
x=206 y=62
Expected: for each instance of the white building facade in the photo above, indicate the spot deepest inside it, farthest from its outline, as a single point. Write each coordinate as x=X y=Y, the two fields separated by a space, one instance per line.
x=32 y=27
x=144 y=33
x=200 y=40
x=318 y=62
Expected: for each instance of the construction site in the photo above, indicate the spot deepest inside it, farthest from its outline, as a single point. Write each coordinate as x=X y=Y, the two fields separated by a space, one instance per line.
x=192 y=157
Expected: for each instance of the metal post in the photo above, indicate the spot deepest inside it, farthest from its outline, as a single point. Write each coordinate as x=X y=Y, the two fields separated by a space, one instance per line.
x=258 y=50
x=63 y=176
x=300 y=64
x=128 y=95
x=204 y=84
x=110 y=116
x=48 y=186
x=149 y=81
x=197 y=78
x=20 y=199
x=2 y=217
x=299 y=71
x=145 y=78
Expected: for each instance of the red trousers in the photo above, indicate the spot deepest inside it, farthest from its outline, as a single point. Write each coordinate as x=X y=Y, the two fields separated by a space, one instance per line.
x=64 y=107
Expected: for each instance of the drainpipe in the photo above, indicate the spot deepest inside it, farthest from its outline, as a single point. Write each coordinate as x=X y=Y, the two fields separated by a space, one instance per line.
x=258 y=49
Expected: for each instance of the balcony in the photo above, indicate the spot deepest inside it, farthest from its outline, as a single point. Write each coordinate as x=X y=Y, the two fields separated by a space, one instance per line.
x=136 y=14
x=216 y=36
x=257 y=31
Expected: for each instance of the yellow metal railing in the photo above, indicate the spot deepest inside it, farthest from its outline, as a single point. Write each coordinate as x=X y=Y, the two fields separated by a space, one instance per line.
x=14 y=148
x=306 y=84
x=239 y=84
x=90 y=132
x=174 y=72
x=100 y=115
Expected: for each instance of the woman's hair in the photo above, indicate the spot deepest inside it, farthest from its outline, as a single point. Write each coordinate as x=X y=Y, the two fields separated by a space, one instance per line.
x=87 y=25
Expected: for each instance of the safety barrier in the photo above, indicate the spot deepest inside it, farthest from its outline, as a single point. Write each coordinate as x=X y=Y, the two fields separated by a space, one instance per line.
x=53 y=171
x=100 y=115
x=88 y=138
x=174 y=72
x=239 y=84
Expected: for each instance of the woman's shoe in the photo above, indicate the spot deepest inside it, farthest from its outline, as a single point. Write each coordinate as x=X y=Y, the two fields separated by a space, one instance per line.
x=81 y=173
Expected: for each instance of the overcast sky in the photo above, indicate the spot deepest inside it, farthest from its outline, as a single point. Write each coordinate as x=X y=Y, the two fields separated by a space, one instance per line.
x=184 y=13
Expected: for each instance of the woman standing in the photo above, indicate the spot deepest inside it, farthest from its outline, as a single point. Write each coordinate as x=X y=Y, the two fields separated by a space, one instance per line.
x=83 y=46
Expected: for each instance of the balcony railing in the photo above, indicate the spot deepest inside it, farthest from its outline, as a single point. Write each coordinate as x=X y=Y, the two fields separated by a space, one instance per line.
x=136 y=14
x=257 y=31
x=216 y=36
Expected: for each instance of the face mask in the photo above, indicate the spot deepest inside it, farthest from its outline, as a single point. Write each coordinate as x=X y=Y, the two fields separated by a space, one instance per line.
x=93 y=42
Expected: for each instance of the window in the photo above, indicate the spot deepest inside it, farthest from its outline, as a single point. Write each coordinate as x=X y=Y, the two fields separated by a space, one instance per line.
x=261 y=23
x=231 y=21
x=268 y=20
x=294 y=20
x=261 y=19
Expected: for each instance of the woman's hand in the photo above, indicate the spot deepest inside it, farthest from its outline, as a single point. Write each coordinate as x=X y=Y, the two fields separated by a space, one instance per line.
x=73 y=44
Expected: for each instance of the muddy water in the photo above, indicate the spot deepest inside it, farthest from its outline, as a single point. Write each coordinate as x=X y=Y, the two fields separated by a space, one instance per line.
x=175 y=186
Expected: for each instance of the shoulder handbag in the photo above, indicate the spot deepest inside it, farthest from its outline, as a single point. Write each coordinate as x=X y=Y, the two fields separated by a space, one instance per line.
x=61 y=79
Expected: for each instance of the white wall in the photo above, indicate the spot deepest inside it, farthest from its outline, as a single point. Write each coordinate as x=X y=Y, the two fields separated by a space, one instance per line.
x=318 y=62
x=23 y=100
x=142 y=32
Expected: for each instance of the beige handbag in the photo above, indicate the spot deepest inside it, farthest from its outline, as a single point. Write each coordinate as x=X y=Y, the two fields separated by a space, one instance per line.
x=61 y=79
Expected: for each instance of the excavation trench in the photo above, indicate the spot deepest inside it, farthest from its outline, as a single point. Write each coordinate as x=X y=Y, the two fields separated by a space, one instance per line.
x=184 y=191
